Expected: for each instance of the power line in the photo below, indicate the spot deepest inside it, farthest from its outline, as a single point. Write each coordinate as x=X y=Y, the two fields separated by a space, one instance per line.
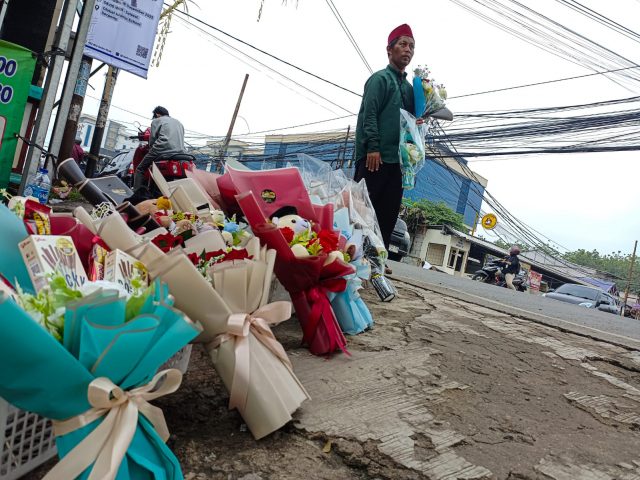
x=546 y=82
x=342 y=23
x=180 y=12
x=265 y=66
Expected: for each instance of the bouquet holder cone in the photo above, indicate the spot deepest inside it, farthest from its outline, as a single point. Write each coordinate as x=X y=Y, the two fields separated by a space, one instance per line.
x=70 y=170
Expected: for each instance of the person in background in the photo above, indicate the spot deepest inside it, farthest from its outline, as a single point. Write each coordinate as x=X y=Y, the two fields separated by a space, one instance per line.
x=77 y=152
x=167 y=138
x=511 y=266
x=378 y=131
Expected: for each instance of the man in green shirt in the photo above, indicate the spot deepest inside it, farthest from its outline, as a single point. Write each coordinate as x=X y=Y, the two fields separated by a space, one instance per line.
x=378 y=130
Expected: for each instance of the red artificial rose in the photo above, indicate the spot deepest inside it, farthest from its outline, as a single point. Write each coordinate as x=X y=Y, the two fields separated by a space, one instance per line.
x=328 y=240
x=195 y=258
x=237 y=254
x=209 y=255
x=288 y=234
x=167 y=241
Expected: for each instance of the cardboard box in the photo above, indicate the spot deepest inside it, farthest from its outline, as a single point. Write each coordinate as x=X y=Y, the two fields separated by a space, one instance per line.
x=121 y=268
x=44 y=254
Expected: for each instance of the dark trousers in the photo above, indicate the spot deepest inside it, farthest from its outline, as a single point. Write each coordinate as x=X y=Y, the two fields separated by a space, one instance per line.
x=145 y=163
x=385 y=191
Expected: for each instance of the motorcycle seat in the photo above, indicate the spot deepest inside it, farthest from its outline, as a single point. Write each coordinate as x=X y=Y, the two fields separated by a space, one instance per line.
x=181 y=157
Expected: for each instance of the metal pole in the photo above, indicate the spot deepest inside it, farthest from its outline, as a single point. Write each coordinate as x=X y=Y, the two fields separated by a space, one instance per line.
x=626 y=291
x=101 y=120
x=72 y=75
x=227 y=139
x=3 y=11
x=344 y=149
x=75 y=109
x=49 y=94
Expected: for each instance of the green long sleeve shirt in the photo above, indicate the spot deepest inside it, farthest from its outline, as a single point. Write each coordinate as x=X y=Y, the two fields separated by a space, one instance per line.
x=378 y=128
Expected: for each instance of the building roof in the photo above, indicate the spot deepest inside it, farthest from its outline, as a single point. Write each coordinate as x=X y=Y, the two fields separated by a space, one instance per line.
x=494 y=249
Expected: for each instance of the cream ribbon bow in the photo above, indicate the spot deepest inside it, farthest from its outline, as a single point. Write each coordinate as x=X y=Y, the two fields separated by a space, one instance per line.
x=108 y=443
x=239 y=326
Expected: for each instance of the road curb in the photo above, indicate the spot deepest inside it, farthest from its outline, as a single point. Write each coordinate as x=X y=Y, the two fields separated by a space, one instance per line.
x=558 y=323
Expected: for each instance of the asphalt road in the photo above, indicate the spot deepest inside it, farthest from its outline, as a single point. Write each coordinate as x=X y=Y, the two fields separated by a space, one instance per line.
x=590 y=322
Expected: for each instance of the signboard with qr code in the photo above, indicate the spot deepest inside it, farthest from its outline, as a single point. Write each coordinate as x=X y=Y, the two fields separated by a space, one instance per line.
x=122 y=33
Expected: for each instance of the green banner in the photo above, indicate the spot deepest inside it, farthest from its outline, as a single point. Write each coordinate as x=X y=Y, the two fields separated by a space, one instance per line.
x=16 y=70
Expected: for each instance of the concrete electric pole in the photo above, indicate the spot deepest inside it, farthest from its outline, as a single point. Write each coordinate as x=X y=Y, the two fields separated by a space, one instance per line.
x=223 y=149
x=626 y=291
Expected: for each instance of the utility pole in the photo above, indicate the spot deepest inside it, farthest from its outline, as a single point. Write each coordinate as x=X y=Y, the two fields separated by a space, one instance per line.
x=223 y=149
x=73 y=68
x=626 y=291
x=54 y=73
x=344 y=150
x=101 y=120
x=475 y=224
x=75 y=109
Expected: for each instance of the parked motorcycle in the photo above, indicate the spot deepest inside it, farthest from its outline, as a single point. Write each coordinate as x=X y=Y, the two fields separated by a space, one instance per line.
x=492 y=273
x=172 y=168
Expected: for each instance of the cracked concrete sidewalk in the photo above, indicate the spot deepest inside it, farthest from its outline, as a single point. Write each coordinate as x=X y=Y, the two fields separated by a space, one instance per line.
x=439 y=389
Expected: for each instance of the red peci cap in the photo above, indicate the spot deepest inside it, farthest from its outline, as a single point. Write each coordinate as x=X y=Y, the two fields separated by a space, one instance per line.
x=402 y=30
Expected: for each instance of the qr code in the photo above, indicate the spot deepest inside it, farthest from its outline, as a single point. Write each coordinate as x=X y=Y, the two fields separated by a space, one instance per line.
x=142 y=51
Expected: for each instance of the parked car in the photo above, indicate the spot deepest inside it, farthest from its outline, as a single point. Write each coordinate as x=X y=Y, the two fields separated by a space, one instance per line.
x=400 y=241
x=589 y=297
x=118 y=165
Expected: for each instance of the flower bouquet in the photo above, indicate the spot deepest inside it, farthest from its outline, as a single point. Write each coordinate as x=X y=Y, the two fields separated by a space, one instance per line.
x=352 y=313
x=429 y=96
x=231 y=304
x=265 y=390
x=411 y=149
x=308 y=279
x=88 y=360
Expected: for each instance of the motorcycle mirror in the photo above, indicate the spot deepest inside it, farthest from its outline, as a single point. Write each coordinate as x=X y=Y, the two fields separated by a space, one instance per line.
x=138 y=125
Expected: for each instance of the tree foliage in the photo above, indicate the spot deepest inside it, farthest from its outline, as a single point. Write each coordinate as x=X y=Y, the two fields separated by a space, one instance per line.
x=617 y=263
x=424 y=212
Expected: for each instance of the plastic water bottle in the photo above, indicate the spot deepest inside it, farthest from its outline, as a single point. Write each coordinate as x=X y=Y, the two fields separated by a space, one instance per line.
x=39 y=186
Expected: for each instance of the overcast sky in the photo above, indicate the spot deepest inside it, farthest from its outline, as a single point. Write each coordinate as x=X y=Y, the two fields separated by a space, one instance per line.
x=578 y=201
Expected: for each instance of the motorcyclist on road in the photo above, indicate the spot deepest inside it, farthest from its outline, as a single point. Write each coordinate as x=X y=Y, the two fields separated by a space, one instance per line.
x=511 y=266
x=167 y=139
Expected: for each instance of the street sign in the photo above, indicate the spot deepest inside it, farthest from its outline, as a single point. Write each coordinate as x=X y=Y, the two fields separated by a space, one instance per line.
x=122 y=33
x=16 y=69
x=489 y=221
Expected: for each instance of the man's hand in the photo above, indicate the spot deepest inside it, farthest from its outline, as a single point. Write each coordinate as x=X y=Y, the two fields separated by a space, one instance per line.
x=419 y=121
x=374 y=161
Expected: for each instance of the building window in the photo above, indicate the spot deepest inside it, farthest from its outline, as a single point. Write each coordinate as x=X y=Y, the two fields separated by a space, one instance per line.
x=435 y=253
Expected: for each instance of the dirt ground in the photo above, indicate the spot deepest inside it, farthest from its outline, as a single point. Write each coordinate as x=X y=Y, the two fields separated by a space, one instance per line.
x=439 y=389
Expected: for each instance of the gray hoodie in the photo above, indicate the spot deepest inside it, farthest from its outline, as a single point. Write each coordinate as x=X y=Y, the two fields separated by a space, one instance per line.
x=167 y=136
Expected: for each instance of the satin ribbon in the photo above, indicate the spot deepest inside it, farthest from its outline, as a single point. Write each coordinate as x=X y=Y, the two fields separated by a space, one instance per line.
x=239 y=326
x=321 y=310
x=108 y=443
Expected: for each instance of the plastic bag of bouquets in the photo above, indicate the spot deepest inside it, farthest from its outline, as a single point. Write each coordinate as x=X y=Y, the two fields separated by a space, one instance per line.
x=320 y=179
x=411 y=148
x=382 y=285
x=308 y=280
x=352 y=313
x=96 y=384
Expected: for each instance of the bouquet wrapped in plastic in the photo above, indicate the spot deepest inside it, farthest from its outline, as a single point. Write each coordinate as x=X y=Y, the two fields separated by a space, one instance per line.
x=308 y=280
x=88 y=360
x=332 y=186
x=352 y=313
x=411 y=149
x=429 y=96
